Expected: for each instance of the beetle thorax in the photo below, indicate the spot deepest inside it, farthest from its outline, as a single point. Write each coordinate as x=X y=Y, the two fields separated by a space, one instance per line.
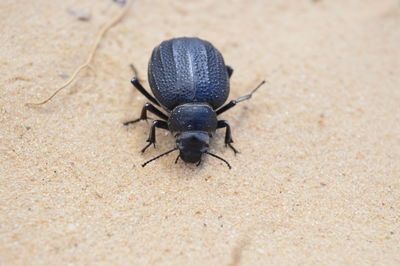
x=193 y=117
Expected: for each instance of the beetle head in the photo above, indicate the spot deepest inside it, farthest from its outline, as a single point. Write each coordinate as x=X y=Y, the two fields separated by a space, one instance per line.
x=192 y=145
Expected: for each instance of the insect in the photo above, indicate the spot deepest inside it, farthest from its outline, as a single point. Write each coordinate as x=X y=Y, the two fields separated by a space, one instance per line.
x=190 y=81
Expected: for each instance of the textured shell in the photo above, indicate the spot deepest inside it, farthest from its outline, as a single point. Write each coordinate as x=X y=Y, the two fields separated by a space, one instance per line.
x=188 y=70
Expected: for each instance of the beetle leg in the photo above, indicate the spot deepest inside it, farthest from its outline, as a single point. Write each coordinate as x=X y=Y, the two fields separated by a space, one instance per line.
x=198 y=163
x=228 y=134
x=143 y=116
x=230 y=71
x=241 y=99
x=136 y=83
x=177 y=158
x=152 y=135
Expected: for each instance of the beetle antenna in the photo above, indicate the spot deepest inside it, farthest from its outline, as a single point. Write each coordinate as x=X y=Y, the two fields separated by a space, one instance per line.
x=222 y=159
x=161 y=155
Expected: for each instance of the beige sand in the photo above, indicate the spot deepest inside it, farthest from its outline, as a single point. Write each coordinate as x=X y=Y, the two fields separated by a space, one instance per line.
x=318 y=177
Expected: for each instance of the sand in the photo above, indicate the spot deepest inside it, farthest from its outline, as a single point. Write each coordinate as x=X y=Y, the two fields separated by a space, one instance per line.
x=318 y=177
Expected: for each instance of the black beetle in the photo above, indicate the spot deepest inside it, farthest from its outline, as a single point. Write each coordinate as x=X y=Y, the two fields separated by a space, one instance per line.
x=190 y=81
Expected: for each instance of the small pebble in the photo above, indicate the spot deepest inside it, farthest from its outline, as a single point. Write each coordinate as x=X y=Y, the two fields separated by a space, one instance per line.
x=80 y=13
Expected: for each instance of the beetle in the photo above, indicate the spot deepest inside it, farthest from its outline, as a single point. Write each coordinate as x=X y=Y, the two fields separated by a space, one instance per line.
x=190 y=82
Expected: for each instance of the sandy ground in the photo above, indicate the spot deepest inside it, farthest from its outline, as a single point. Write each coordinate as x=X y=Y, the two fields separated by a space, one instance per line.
x=318 y=177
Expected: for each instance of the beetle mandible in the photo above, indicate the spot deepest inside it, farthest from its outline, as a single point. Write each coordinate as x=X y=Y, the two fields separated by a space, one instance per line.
x=190 y=81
